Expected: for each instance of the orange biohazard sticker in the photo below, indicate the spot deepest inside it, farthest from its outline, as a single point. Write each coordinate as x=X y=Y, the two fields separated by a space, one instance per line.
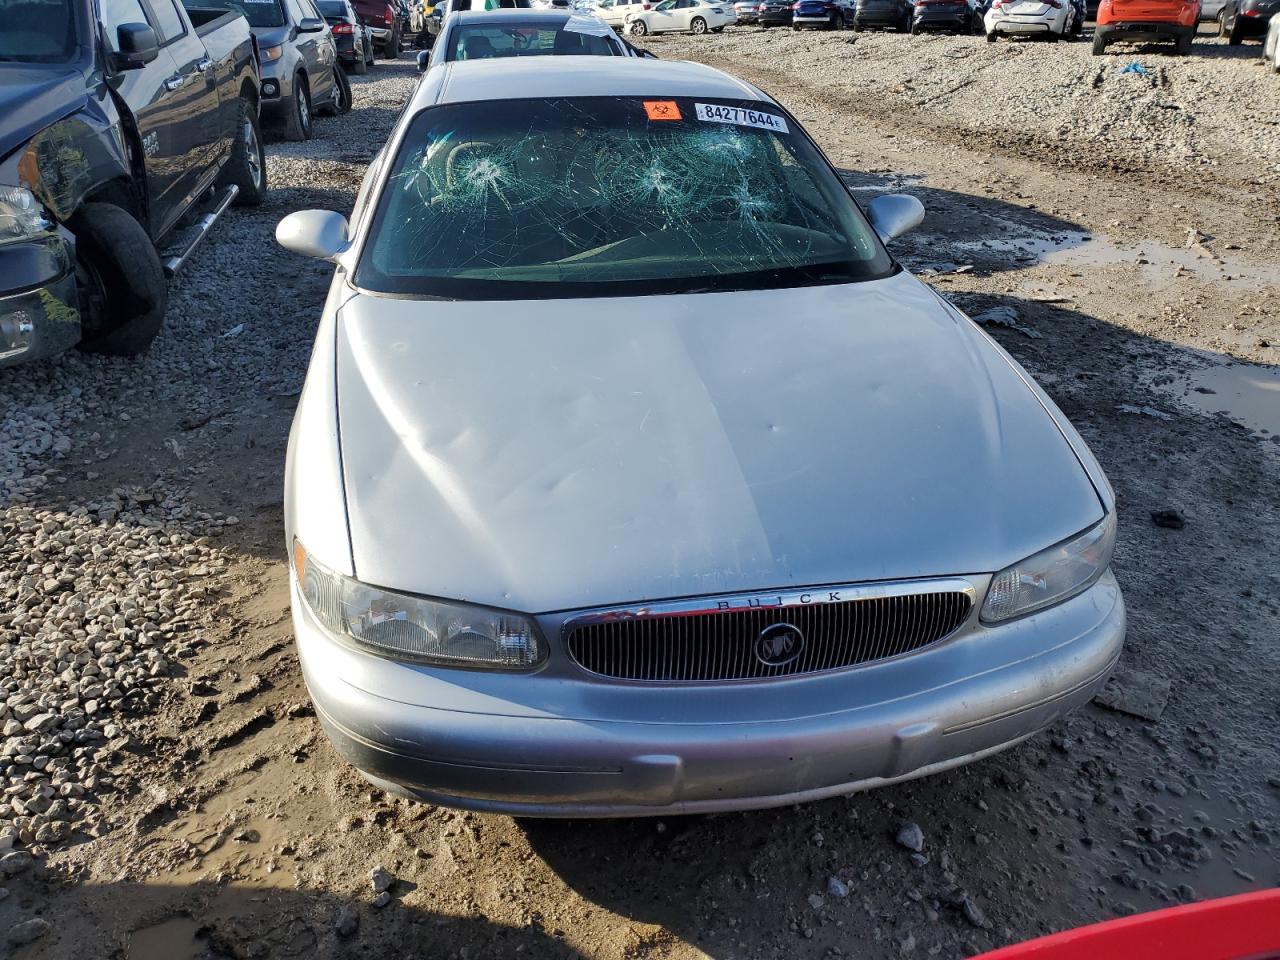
x=662 y=110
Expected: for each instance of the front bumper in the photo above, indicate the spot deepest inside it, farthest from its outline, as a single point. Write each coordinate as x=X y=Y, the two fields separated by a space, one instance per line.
x=277 y=87
x=380 y=35
x=39 y=305
x=566 y=745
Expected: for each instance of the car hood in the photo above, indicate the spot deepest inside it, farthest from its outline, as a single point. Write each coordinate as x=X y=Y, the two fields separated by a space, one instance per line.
x=560 y=454
x=271 y=36
x=32 y=96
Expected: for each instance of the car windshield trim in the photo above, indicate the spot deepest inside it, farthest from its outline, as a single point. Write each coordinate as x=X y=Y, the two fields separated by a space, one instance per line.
x=605 y=196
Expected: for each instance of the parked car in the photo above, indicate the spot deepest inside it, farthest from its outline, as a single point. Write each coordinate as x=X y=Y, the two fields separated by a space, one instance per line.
x=117 y=129
x=299 y=63
x=828 y=14
x=1051 y=19
x=692 y=16
x=1209 y=9
x=383 y=20
x=689 y=546
x=351 y=37
x=1271 y=44
x=883 y=15
x=615 y=12
x=474 y=35
x=955 y=16
x=1241 y=20
x=747 y=11
x=774 y=13
x=1146 y=20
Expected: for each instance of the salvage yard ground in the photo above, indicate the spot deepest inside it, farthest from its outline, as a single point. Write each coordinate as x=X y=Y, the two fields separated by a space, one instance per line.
x=1117 y=232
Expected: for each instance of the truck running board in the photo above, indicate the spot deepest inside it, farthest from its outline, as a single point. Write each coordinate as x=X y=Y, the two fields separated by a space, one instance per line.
x=174 y=261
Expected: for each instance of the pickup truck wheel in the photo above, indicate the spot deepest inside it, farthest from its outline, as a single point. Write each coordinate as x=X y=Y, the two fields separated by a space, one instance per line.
x=298 y=125
x=123 y=293
x=247 y=168
x=392 y=49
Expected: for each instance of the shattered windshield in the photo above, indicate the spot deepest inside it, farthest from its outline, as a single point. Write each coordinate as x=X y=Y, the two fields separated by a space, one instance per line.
x=611 y=196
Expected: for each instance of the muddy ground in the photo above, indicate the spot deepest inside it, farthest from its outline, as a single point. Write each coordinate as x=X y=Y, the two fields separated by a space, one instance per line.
x=222 y=824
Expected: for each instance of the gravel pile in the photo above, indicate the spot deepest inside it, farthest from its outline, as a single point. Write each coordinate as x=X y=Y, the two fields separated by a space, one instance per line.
x=1181 y=110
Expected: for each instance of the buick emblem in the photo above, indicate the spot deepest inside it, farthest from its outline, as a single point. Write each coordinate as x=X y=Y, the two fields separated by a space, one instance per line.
x=779 y=644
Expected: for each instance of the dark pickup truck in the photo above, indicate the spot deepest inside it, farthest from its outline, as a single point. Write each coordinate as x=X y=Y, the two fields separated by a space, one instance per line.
x=126 y=128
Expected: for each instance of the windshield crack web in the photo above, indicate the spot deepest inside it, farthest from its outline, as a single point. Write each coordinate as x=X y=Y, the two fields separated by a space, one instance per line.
x=566 y=199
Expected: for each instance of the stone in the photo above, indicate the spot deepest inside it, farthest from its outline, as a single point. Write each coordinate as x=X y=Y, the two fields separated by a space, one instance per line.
x=837 y=887
x=911 y=837
x=347 y=922
x=28 y=931
x=1137 y=693
x=381 y=900
x=381 y=878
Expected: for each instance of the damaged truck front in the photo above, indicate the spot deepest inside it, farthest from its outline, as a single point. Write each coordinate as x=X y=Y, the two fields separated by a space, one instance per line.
x=126 y=128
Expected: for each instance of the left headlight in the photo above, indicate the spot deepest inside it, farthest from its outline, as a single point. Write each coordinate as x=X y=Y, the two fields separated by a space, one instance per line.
x=21 y=215
x=400 y=626
x=1051 y=576
x=270 y=54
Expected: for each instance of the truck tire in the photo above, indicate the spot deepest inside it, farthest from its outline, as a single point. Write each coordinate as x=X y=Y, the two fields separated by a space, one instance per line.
x=1182 y=47
x=1099 y=44
x=391 y=50
x=247 y=168
x=123 y=292
x=298 y=123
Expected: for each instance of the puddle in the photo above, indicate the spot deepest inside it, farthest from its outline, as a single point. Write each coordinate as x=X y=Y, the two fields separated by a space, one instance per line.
x=1247 y=393
x=172 y=939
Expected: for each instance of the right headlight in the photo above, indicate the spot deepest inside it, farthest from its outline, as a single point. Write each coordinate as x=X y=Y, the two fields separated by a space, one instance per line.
x=21 y=215
x=401 y=626
x=1051 y=576
x=270 y=54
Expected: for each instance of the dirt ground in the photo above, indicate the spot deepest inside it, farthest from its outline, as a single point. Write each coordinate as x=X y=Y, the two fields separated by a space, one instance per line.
x=230 y=828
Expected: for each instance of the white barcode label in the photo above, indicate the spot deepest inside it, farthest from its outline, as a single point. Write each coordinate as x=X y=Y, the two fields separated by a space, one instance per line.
x=715 y=113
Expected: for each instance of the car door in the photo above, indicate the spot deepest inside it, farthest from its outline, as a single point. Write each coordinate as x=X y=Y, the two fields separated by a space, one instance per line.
x=663 y=16
x=194 y=117
x=326 y=46
x=310 y=53
x=154 y=108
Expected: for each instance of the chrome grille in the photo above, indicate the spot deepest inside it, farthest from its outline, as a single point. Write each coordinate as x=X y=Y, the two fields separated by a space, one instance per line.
x=749 y=638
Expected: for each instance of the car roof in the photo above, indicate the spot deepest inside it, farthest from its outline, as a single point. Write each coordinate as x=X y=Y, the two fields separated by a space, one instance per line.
x=519 y=13
x=522 y=78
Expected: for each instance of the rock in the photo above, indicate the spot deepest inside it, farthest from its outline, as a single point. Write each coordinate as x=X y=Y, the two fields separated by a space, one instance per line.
x=41 y=722
x=973 y=913
x=1169 y=519
x=837 y=887
x=1136 y=693
x=347 y=922
x=816 y=901
x=15 y=862
x=911 y=837
x=907 y=945
x=381 y=878
x=382 y=899
x=28 y=931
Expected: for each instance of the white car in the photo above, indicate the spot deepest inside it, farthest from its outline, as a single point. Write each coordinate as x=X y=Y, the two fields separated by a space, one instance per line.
x=1048 y=18
x=691 y=16
x=615 y=12
x=1271 y=45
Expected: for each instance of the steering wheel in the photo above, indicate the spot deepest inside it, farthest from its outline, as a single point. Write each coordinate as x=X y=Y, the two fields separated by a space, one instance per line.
x=520 y=40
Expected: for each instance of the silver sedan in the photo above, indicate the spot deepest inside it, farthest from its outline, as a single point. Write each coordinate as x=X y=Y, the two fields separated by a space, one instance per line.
x=632 y=475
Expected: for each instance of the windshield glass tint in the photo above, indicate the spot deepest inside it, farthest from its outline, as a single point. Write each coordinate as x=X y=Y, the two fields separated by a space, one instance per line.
x=609 y=196
x=483 y=41
x=37 y=31
x=259 y=13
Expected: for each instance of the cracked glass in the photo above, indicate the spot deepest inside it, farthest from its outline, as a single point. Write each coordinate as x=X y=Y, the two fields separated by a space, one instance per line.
x=611 y=196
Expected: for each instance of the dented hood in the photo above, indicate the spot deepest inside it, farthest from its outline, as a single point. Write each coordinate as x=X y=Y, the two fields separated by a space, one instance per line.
x=561 y=454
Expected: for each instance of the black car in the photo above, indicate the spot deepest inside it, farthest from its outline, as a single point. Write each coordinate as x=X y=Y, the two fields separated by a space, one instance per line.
x=775 y=13
x=125 y=131
x=350 y=35
x=1241 y=20
x=955 y=16
x=826 y=14
x=883 y=15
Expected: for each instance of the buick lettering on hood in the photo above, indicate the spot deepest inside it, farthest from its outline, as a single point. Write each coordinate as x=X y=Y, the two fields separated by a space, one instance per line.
x=633 y=475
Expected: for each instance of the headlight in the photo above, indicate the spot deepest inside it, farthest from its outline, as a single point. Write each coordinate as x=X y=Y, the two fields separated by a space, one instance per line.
x=21 y=215
x=404 y=627
x=272 y=53
x=1052 y=575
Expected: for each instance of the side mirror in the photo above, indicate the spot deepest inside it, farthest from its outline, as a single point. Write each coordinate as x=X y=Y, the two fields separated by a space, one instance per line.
x=321 y=234
x=424 y=60
x=310 y=25
x=894 y=214
x=137 y=44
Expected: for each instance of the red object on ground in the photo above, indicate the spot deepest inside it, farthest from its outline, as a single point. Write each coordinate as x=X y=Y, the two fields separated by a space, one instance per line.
x=1246 y=927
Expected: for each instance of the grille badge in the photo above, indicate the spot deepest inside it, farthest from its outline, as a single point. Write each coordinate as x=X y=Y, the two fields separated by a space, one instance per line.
x=779 y=644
